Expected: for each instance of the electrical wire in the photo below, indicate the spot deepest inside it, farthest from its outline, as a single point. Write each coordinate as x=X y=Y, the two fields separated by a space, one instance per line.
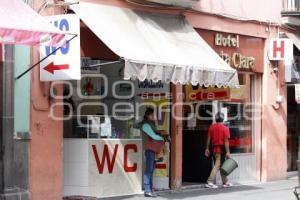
x=43 y=6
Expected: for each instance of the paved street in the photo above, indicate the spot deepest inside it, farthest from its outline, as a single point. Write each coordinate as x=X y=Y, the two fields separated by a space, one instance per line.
x=280 y=190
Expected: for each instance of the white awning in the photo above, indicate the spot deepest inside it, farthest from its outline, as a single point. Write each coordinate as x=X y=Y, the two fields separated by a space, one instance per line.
x=295 y=38
x=156 y=46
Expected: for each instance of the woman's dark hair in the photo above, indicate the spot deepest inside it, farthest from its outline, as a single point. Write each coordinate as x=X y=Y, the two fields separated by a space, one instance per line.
x=219 y=117
x=149 y=111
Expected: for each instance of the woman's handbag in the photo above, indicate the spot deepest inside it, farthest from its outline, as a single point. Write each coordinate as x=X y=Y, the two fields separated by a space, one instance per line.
x=153 y=145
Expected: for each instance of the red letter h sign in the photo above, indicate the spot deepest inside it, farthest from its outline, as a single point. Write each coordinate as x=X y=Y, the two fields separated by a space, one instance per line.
x=278 y=49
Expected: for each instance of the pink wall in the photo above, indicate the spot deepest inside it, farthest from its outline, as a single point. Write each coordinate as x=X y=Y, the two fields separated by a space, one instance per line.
x=266 y=10
x=258 y=127
x=274 y=126
x=46 y=152
x=176 y=134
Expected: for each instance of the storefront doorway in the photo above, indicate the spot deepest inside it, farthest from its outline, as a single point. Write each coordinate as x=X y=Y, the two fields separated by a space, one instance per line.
x=201 y=106
x=196 y=167
x=293 y=128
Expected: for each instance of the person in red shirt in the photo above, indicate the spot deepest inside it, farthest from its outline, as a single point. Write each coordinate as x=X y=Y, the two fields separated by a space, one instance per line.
x=218 y=136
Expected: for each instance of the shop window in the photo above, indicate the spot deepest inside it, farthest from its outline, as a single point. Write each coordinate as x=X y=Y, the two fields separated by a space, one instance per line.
x=237 y=105
x=103 y=105
x=240 y=115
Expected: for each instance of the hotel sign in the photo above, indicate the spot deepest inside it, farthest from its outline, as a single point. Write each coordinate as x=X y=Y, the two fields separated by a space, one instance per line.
x=236 y=60
x=227 y=41
x=242 y=53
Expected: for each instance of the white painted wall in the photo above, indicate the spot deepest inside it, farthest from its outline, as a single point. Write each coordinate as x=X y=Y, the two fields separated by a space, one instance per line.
x=75 y=167
x=246 y=172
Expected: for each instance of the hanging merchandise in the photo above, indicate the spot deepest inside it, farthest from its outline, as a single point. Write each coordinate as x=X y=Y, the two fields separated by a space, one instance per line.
x=88 y=87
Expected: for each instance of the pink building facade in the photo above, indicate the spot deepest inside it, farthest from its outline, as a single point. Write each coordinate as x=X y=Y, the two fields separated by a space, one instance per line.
x=269 y=127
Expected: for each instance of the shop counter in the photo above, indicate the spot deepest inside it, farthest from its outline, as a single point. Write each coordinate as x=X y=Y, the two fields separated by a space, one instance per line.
x=102 y=167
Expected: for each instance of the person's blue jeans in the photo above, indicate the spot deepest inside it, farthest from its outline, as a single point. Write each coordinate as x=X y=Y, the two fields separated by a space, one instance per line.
x=150 y=166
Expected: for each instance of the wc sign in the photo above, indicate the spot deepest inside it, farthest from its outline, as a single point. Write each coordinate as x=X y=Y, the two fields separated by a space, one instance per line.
x=63 y=64
x=281 y=49
x=114 y=167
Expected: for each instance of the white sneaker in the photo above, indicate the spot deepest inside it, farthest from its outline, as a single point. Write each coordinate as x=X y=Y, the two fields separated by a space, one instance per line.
x=211 y=185
x=227 y=185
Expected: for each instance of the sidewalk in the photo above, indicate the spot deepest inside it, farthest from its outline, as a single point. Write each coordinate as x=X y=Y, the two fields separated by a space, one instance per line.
x=279 y=190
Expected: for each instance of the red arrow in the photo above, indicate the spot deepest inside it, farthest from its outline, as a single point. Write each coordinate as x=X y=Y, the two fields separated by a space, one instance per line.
x=51 y=67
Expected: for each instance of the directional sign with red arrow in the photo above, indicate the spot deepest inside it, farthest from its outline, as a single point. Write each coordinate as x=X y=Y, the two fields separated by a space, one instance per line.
x=63 y=64
x=51 y=67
